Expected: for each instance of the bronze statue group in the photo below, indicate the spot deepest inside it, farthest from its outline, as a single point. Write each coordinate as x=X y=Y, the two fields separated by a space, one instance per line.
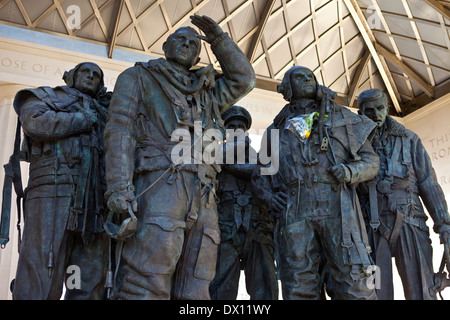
x=105 y=194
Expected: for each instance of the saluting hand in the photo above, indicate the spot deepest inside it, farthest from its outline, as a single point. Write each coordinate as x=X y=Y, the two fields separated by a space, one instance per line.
x=209 y=27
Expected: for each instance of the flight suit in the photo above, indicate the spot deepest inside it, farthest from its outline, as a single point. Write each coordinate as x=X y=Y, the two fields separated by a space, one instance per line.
x=246 y=230
x=321 y=216
x=398 y=227
x=64 y=204
x=173 y=253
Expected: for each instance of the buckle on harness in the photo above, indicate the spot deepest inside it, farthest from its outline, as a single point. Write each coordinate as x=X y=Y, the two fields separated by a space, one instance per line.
x=374 y=225
x=347 y=245
x=3 y=242
x=324 y=144
x=76 y=211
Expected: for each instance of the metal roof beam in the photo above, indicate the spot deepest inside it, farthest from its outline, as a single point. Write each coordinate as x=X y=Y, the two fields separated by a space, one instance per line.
x=290 y=32
x=308 y=47
x=388 y=32
x=62 y=14
x=439 y=8
x=23 y=12
x=353 y=89
x=135 y=23
x=99 y=18
x=137 y=19
x=422 y=100
x=116 y=28
x=370 y=41
x=419 y=42
x=405 y=69
x=3 y=3
x=179 y=23
x=316 y=38
x=261 y=26
x=93 y=15
x=44 y=15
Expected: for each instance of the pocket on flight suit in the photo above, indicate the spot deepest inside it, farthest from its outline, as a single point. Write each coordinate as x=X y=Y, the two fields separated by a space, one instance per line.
x=165 y=236
x=205 y=267
x=296 y=240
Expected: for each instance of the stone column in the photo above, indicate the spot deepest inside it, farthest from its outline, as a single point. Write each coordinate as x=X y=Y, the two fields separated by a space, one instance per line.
x=8 y=120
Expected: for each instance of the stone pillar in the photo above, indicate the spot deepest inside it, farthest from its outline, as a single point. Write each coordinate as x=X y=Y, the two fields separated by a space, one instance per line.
x=8 y=119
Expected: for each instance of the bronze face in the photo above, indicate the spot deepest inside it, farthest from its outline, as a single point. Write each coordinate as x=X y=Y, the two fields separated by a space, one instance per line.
x=376 y=110
x=88 y=78
x=237 y=123
x=182 y=48
x=303 y=83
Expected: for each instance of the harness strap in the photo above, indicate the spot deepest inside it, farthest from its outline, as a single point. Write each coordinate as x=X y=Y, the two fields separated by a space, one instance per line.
x=354 y=237
x=79 y=199
x=373 y=199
